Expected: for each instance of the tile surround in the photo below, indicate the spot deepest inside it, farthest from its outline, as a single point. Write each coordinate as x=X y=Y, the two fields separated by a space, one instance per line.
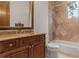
x=64 y=28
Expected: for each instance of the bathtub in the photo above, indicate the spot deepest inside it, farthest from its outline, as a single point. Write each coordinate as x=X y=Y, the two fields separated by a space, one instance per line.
x=70 y=48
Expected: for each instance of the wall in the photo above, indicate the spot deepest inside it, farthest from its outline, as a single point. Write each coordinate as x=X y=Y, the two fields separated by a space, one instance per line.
x=65 y=29
x=41 y=17
x=19 y=12
x=51 y=20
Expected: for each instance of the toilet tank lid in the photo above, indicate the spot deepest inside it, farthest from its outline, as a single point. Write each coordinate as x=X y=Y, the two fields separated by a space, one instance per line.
x=52 y=45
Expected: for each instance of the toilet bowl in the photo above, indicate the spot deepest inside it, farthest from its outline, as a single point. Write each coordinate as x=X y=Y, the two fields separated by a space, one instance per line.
x=52 y=50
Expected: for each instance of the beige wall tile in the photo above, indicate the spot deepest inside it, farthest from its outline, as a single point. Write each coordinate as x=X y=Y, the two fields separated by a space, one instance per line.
x=64 y=28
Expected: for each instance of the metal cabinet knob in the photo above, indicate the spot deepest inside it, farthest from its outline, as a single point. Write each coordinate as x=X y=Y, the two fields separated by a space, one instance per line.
x=29 y=46
x=10 y=44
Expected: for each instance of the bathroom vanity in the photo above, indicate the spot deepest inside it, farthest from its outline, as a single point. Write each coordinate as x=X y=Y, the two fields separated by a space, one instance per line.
x=22 y=45
x=31 y=45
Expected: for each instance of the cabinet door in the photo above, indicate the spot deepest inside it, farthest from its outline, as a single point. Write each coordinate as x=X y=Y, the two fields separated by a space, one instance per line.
x=23 y=53
x=38 y=51
x=20 y=54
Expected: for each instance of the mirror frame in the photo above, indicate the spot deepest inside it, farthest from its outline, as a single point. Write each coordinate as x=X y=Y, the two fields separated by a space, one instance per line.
x=31 y=3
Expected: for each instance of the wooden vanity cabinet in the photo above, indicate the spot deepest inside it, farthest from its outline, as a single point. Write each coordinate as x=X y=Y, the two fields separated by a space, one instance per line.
x=27 y=47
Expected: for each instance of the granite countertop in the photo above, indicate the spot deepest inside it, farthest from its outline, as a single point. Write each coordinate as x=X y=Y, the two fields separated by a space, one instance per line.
x=12 y=36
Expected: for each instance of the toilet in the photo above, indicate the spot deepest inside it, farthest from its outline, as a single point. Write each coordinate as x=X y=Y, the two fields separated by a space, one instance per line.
x=52 y=50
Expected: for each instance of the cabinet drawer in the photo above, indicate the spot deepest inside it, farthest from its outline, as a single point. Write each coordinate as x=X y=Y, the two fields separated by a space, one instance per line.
x=32 y=39
x=8 y=45
x=24 y=41
x=39 y=38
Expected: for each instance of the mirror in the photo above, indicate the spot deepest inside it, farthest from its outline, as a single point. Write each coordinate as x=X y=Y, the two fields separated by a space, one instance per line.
x=16 y=14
